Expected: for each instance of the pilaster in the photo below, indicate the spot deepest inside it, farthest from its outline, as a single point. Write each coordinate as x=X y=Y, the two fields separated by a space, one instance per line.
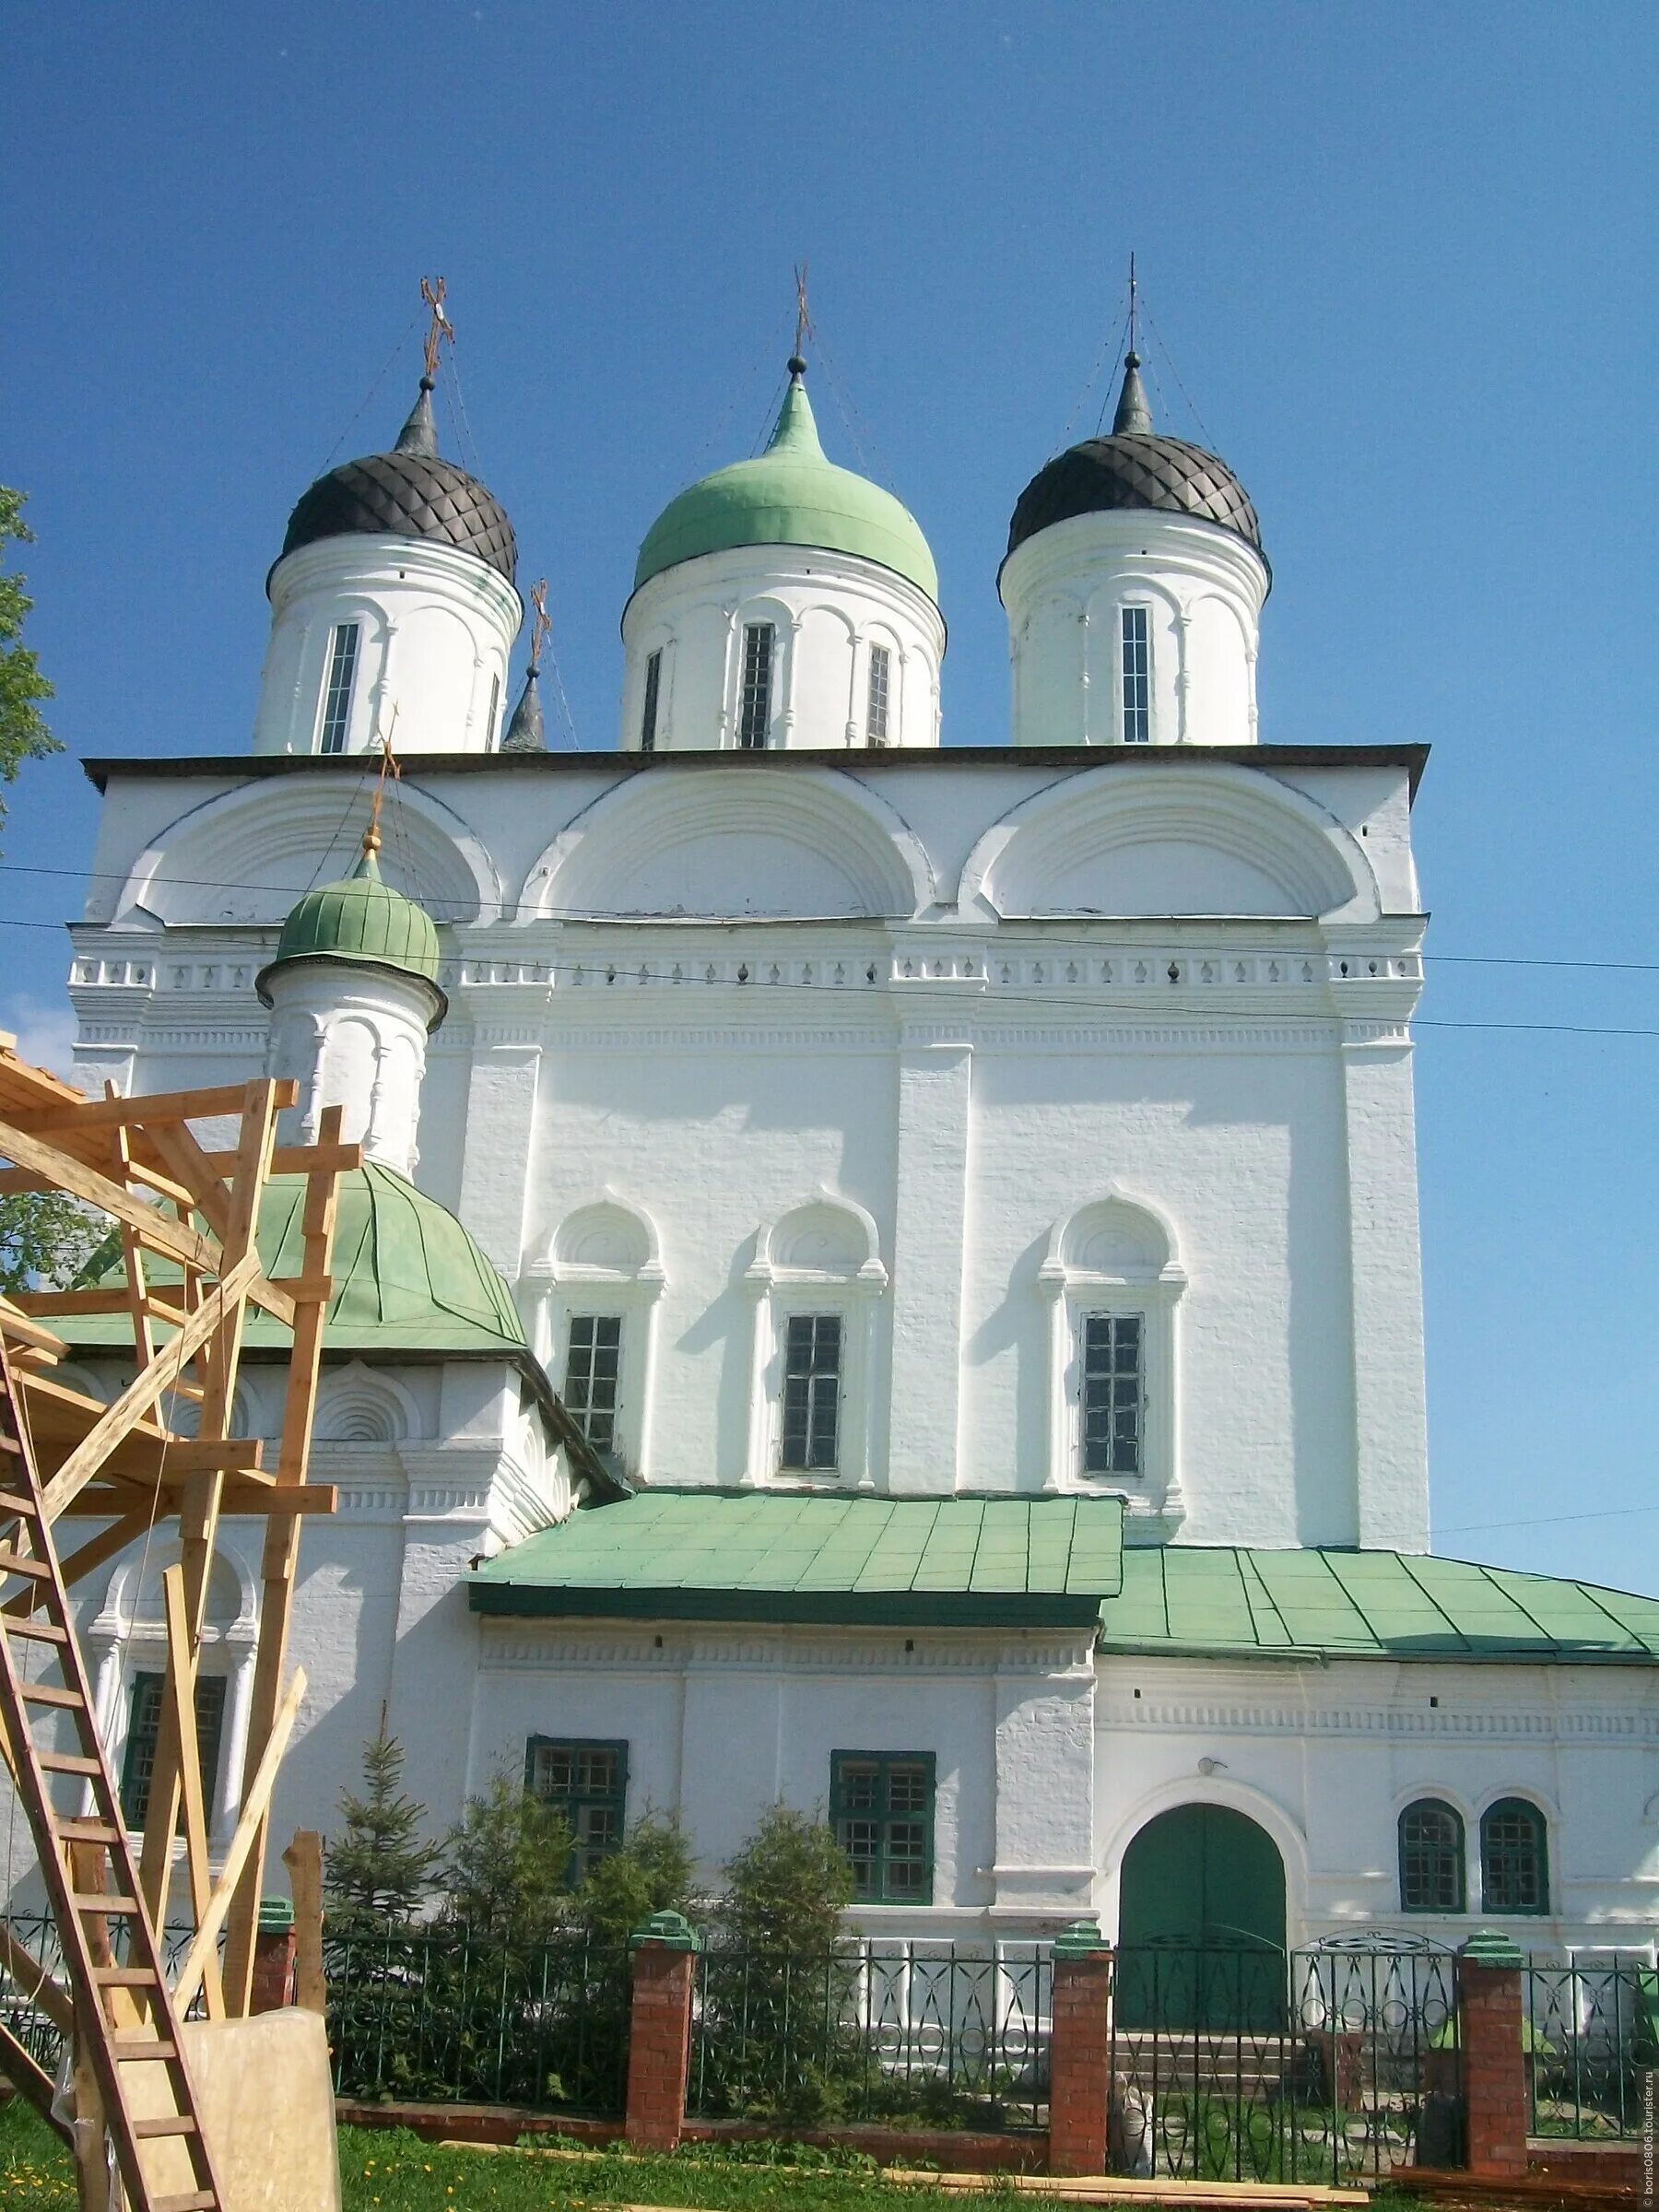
x=501 y=1121
x=935 y=1082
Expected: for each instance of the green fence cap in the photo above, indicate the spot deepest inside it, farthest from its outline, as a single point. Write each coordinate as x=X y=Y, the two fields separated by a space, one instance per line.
x=276 y=1916
x=673 y=1931
x=1081 y=1939
x=1490 y=1946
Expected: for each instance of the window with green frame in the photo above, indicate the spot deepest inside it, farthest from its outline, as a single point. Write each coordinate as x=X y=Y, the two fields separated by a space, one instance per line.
x=1515 y=1858
x=881 y=1807
x=1432 y=1858
x=587 y=1780
x=144 y=1729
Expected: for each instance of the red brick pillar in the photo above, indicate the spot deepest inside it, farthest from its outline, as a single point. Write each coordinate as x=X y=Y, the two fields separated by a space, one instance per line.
x=275 y=1945
x=1080 y=2052
x=1491 y=2035
x=659 y=2035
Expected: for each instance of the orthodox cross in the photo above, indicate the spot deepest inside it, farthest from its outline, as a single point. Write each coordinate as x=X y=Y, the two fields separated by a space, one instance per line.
x=803 y=320
x=542 y=625
x=390 y=765
x=1134 y=302
x=432 y=291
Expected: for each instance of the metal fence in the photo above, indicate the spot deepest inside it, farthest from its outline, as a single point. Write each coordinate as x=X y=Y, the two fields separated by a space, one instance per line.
x=900 y=2033
x=434 y=2015
x=37 y=1931
x=1329 y=2065
x=1592 y=2033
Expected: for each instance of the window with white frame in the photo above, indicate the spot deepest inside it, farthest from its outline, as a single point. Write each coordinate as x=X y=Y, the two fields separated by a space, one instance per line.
x=648 y=712
x=592 y=1376
x=816 y=1280
x=754 y=705
x=878 y=715
x=337 y=687
x=1135 y=674
x=598 y=1288
x=1114 y=1284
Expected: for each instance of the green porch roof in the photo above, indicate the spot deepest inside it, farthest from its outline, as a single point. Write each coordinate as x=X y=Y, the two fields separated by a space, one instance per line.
x=780 y=1556
x=1229 y=1602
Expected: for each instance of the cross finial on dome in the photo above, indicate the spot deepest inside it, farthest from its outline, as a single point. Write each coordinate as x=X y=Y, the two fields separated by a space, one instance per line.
x=420 y=434
x=390 y=765
x=526 y=731
x=1134 y=417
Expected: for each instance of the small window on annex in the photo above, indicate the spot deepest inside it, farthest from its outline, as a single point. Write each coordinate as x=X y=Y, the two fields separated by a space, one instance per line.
x=588 y=1783
x=1136 y=670
x=1515 y=1864
x=143 y=1728
x=1432 y=1858
x=881 y=1807
x=753 y=715
x=812 y=1389
x=593 y=1365
x=337 y=689
x=648 y=713
x=878 y=718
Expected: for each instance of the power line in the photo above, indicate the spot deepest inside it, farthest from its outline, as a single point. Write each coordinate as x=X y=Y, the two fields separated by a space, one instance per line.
x=1617 y=1512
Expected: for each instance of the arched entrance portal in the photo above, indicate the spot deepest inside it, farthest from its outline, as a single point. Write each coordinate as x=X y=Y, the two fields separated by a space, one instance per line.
x=1201 y=1923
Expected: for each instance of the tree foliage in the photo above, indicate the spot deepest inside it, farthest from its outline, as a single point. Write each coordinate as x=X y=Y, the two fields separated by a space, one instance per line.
x=652 y=1870
x=506 y=1870
x=380 y=1871
x=788 y=1887
x=23 y=732
x=46 y=1240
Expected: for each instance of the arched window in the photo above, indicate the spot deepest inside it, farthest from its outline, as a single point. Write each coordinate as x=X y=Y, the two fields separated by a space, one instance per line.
x=1514 y=1860
x=1432 y=1858
x=595 y=1329
x=816 y=1279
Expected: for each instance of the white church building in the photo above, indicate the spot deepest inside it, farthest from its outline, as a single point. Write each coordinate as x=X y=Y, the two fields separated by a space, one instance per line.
x=888 y=1274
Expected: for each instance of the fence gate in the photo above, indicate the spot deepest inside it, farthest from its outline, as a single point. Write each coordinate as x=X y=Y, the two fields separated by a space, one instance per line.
x=1239 y=2063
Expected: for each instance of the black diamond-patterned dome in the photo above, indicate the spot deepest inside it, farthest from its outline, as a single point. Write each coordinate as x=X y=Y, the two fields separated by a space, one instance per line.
x=1134 y=467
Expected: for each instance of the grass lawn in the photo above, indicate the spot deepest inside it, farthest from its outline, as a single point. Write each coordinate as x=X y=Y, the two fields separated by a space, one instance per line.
x=398 y=2173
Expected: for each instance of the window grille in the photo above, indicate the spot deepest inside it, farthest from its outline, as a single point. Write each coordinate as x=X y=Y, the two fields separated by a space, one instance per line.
x=881 y=1807
x=812 y=1360
x=755 y=716
x=1113 y=1394
x=648 y=719
x=593 y=1361
x=143 y=1728
x=1432 y=1858
x=881 y=672
x=587 y=1781
x=336 y=691
x=1515 y=1871
x=1137 y=676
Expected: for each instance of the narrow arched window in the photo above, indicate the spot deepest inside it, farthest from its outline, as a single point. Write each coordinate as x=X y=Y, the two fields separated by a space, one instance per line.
x=1432 y=1858
x=648 y=715
x=1515 y=1864
x=1136 y=670
x=877 y=719
x=754 y=719
x=337 y=688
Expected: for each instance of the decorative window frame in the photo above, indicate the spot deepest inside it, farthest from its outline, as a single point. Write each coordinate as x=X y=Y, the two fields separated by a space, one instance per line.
x=1527 y=1800
x=1433 y=1801
x=785 y=622
x=561 y=1287
x=1151 y=1288
x=1139 y=602
x=779 y=1287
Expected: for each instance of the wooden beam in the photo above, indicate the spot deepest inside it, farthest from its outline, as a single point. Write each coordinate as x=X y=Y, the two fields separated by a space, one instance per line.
x=35 y=1986
x=149 y=1107
x=179 y=1688
x=298 y=1159
x=17 y=1323
x=304 y=1859
x=146 y=1387
x=31 y=2080
x=160 y=1231
x=255 y=1804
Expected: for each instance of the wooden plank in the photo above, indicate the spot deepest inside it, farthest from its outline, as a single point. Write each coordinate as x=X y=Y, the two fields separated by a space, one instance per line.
x=15 y=1318
x=29 y=2080
x=255 y=1804
x=304 y=1859
x=321 y=1157
x=160 y=1231
x=179 y=1688
x=35 y=1986
x=88 y=1455
x=146 y=1107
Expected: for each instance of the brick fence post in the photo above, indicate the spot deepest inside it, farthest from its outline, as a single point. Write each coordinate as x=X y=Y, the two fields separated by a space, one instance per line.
x=1080 y=2052
x=1491 y=2035
x=659 y=2030
x=275 y=1945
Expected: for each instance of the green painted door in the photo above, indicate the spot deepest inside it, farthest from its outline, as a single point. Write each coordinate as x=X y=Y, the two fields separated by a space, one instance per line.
x=1200 y=1925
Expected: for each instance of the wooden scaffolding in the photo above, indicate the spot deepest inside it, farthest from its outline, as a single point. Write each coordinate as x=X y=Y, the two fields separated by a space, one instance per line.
x=184 y=1203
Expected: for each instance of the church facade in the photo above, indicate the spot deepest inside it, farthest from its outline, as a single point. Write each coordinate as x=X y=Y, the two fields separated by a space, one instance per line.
x=887 y=1275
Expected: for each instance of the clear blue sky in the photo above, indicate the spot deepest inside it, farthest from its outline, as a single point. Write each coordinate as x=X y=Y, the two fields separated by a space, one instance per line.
x=1402 y=257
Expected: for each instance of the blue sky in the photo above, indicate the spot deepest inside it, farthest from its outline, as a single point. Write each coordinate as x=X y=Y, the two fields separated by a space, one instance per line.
x=1402 y=263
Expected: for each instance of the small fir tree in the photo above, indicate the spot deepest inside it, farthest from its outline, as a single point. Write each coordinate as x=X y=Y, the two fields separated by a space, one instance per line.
x=508 y=1866
x=788 y=1887
x=378 y=1871
x=651 y=1871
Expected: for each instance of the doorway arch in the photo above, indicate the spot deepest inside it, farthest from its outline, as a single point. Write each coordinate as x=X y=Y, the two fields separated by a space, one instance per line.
x=1201 y=1923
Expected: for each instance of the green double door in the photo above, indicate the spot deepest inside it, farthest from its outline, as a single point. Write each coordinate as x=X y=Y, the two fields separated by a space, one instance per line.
x=1201 y=1925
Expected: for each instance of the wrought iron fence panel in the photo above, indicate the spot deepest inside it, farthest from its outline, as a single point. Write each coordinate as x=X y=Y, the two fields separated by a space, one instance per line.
x=1592 y=2033
x=1329 y=2065
x=37 y=1931
x=932 y=2034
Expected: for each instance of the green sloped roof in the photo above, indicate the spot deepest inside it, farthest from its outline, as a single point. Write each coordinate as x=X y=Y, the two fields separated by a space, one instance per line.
x=790 y=495
x=779 y=1555
x=1230 y=1602
x=408 y=1276
x=360 y=919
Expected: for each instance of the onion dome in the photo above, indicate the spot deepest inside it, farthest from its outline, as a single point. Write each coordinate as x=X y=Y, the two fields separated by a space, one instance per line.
x=790 y=495
x=525 y=732
x=410 y=492
x=362 y=921
x=1135 y=467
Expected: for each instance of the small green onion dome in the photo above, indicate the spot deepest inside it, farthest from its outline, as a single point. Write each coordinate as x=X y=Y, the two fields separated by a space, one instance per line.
x=364 y=921
x=791 y=495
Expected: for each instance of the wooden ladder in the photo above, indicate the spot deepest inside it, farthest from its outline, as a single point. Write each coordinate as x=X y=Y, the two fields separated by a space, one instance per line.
x=124 y=2007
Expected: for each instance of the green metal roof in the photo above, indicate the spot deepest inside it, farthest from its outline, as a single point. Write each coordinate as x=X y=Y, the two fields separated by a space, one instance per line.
x=408 y=1276
x=363 y=920
x=790 y=495
x=778 y=1555
x=1348 y=1604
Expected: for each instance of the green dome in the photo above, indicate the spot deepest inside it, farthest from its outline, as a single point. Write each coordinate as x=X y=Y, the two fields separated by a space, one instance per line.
x=790 y=495
x=363 y=920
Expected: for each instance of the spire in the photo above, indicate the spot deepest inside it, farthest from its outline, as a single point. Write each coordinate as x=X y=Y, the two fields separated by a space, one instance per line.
x=420 y=434
x=796 y=430
x=1134 y=417
x=524 y=732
